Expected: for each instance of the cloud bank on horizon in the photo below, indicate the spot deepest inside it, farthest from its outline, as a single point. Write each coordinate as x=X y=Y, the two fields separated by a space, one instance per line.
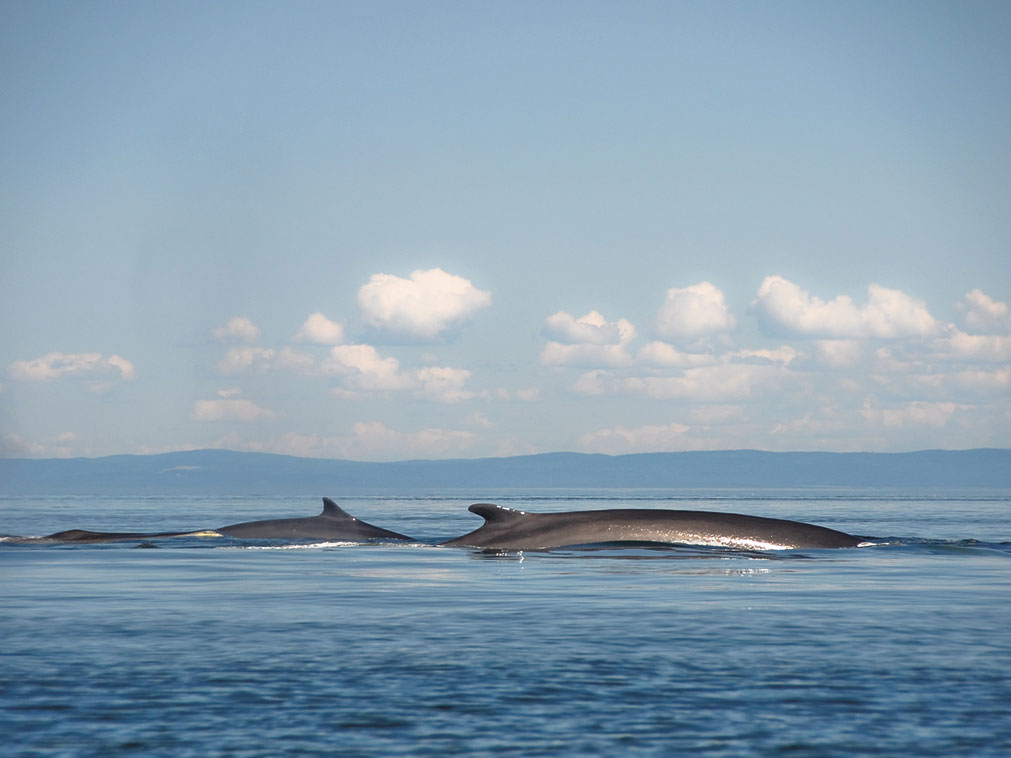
x=847 y=369
x=399 y=230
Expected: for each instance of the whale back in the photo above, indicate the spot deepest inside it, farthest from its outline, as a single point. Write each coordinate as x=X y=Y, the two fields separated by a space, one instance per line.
x=333 y=523
x=509 y=529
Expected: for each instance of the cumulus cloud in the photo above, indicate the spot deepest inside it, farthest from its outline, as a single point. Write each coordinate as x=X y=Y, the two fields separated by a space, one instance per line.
x=716 y=414
x=444 y=384
x=240 y=359
x=426 y=305
x=783 y=307
x=644 y=439
x=981 y=381
x=229 y=406
x=320 y=330
x=783 y=355
x=917 y=413
x=975 y=347
x=586 y=341
x=364 y=369
x=586 y=356
x=288 y=359
x=368 y=440
x=372 y=438
x=696 y=311
x=15 y=446
x=981 y=314
x=255 y=358
x=591 y=329
x=708 y=384
x=56 y=365
x=663 y=355
x=839 y=353
x=237 y=327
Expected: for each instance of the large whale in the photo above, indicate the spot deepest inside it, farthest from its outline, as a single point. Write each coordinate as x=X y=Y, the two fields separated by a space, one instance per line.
x=333 y=523
x=508 y=529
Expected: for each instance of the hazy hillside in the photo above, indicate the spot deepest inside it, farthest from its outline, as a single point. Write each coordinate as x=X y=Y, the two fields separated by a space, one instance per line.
x=227 y=472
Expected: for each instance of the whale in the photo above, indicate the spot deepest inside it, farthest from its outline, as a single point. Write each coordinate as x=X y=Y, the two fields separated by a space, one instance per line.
x=333 y=524
x=513 y=530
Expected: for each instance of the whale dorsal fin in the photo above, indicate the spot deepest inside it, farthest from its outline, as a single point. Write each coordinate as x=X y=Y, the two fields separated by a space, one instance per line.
x=496 y=514
x=331 y=509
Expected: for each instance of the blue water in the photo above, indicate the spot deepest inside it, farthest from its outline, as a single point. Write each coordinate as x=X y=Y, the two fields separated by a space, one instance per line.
x=215 y=647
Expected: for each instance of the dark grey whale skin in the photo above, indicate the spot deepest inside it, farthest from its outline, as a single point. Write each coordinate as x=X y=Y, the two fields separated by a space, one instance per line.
x=508 y=529
x=332 y=524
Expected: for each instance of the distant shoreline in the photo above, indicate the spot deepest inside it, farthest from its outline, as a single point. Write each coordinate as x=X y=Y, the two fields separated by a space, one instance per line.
x=231 y=472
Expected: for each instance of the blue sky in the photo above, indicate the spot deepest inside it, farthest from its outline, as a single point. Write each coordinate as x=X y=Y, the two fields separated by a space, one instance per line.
x=397 y=230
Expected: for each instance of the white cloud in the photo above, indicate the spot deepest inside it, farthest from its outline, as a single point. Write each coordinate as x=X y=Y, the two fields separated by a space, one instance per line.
x=839 y=353
x=444 y=384
x=481 y=421
x=240 y=359
x=996 y=381
x=692 y=312
x=783 y=355
x=981 y=314
x=667 y=356
x=126 y=369
x=364 y=369
x=229 y=406
x=708 y=384
x=376 y=439
x=782 y=306
x=557 y=354
x=368 y=440
x=644 y=439
x=15 y=446
x=289 y=359
x=320 y=330
x=978 y=347
x=595 y=383
x=55 y=365
x=255 y=358
x=590 y=329
x=826 y=421
x=426 y=305
x=716 y=414
x=587 y=341
x=917 y=413
x=913 y=379
x=238 y=327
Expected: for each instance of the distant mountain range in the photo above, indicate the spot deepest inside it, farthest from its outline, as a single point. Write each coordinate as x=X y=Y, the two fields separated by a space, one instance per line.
x=213 y=472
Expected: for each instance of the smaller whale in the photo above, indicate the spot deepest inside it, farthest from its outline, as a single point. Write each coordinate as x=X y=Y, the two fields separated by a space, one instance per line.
x=83 y=535
x=334 y=524
x=508 y=529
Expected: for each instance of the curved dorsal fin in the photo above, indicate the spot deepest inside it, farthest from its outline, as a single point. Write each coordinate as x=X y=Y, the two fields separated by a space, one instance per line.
x=331 y=509
x=495 y=514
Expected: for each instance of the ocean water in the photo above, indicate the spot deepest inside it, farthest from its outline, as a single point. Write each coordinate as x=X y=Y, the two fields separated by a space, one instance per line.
x=217 y=647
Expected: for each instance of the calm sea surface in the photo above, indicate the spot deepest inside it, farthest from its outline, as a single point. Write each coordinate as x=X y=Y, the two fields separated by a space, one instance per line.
x=215 y=647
